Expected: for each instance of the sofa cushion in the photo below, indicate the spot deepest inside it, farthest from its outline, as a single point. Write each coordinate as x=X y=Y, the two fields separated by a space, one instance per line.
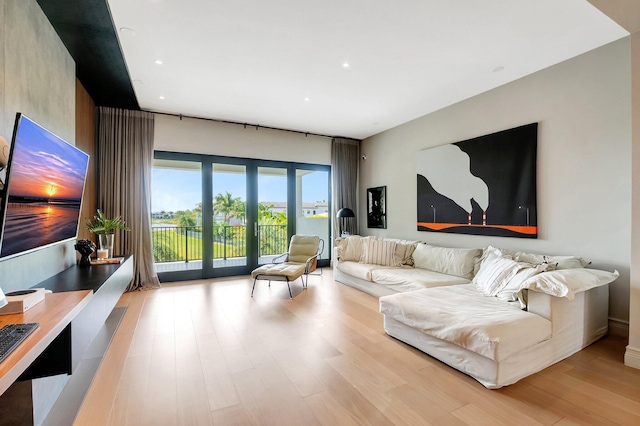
x=359 y=270
x=451 y=261
x=463 y=316
x=409 y=279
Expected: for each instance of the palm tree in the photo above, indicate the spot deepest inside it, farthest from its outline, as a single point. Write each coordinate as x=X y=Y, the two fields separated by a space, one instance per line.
x=240 y=210
x=185 y=218
x=264 y=213
x=226 y=205
x=198 y=212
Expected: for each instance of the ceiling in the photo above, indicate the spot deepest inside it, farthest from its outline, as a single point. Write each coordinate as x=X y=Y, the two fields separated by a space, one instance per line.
x=349 y=68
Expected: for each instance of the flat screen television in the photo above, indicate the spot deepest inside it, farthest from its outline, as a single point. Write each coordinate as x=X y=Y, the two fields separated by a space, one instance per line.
x=42 y=195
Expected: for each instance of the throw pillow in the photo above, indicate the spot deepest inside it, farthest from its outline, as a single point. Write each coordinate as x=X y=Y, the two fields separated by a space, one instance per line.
x=567 y=282
x=403 y=254
x=495 y=273
x=379 y=252
x=512 y=291
x=450 y=261
x=353 y=249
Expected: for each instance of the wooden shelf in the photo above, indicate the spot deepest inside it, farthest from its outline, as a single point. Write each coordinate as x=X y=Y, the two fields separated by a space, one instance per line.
x=53 y=314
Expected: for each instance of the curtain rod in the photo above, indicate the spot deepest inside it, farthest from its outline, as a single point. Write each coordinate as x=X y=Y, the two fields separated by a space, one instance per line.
x=257 y=126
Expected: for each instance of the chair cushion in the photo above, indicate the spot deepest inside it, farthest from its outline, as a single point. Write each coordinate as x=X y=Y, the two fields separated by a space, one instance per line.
x=280 y=271
x=303 y=247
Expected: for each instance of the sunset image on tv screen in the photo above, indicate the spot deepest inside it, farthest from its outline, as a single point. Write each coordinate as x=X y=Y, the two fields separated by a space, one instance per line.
x=45 y=183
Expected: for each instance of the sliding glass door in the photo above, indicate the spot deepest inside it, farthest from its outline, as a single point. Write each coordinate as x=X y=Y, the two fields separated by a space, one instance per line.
x=312 y=186
x=217 y=216
x=229 y=195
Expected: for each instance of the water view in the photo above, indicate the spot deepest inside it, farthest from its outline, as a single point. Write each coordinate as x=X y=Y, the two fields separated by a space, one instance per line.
x=31 y=225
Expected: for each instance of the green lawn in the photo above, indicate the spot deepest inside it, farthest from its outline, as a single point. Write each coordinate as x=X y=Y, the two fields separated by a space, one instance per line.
x=171 y=246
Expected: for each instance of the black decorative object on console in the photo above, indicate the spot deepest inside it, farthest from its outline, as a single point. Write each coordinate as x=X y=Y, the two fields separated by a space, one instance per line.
x=85 y=248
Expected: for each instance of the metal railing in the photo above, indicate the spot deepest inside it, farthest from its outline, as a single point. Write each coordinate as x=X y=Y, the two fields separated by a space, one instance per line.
x=184 y=243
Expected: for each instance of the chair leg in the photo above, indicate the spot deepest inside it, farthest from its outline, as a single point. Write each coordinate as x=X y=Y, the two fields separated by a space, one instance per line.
x=254 y=286
x=288 y=285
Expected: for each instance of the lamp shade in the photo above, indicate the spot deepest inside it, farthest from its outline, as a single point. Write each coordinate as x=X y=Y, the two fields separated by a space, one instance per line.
x=345 y=212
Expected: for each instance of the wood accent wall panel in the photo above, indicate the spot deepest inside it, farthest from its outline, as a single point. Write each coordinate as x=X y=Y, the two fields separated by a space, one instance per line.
x=86 y=141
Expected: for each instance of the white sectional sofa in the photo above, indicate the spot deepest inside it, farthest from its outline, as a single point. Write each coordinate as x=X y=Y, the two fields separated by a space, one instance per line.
x=387 y=266
x=493 y=314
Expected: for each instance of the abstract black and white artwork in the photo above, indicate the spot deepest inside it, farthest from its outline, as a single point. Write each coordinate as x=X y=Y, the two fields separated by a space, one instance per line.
x=481 y=186
x=376 y=207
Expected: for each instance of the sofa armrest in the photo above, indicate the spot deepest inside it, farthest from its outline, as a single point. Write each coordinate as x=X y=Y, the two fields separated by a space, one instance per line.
x=589 y=310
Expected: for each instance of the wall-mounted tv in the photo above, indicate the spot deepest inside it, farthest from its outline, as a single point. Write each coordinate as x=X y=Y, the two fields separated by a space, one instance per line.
x=42 y=195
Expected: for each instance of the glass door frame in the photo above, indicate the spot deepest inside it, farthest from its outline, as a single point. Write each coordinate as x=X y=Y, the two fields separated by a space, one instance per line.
x=208 y=271
x=207 y=161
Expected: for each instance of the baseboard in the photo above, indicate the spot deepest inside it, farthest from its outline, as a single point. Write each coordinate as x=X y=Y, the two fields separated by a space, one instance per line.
x=632 y=357
x=619 y=328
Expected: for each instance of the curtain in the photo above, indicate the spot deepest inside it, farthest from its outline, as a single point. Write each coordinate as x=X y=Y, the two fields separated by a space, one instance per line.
x=345 y=156
x=124 y=162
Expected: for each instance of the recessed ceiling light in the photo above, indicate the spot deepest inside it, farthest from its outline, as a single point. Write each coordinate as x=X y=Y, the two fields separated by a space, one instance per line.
x=345 y=65
x=498 y=69
x=127 y=31
x=307 y=99
x=161 y=97
x=158 y=61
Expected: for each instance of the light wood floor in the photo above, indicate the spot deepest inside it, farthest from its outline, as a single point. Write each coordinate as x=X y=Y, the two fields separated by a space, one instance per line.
x=204 y=352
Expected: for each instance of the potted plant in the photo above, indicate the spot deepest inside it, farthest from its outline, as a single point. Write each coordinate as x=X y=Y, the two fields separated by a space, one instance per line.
x=105 y=228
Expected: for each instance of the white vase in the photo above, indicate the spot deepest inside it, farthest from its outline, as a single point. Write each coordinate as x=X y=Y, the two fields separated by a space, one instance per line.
x=105 y=242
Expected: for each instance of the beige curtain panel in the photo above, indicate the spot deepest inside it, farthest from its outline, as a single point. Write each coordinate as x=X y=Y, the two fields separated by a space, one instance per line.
x=125 y=161
x=345 y=158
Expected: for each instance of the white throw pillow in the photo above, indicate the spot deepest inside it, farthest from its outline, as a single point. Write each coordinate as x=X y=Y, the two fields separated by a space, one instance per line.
x=495 y=273
x=451 y=261
x=511 y=292
x=379 y=252
x=494 y=250
x=567 y=282
x=555 y=262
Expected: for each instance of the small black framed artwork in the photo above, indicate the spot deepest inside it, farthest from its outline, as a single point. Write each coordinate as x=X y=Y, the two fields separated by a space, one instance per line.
x=377 y=207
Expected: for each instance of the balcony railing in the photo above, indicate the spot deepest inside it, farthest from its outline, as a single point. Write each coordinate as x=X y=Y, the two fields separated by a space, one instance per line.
x=184 y=243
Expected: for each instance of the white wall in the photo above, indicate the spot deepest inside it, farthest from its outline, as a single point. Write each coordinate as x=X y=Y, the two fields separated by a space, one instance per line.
x=584 y=161
x=211 y=137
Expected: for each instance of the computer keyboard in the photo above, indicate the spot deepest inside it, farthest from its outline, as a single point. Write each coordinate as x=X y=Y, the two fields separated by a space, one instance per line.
x=11 y=335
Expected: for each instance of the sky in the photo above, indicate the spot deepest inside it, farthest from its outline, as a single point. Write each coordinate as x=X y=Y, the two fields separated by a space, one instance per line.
x=44 y=165
x=174 y=190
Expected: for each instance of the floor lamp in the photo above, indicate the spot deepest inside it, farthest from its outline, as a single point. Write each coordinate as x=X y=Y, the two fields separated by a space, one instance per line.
x=343 y=214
